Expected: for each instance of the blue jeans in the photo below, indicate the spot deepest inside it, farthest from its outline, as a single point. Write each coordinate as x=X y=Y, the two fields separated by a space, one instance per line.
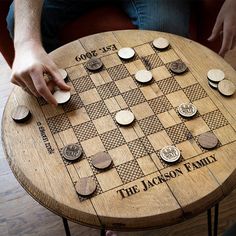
x=163 y=15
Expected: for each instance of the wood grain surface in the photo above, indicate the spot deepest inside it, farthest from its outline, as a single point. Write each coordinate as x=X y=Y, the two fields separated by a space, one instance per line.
x=194 y=184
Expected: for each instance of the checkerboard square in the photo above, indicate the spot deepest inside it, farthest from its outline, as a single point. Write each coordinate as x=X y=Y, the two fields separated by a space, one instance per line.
x=152 y=61
x=96 y=110
x=150 y=125
x=134 y=67
x=112 y=139
x=169 y=118
x=159 y=140
x=197 y=126
x=178 y=133
x=152 y=91
x=104 y=124
x=177 y=98
x=90 y=96
x=169 y=85
x=126 y=84
x=129 y=171
x=108 y=90
x=83 y=84
x=120 y=155
x=73 y=104
x=50 y=111
x=92 y=146
x=160 y=73
x=137 y=148
x=160 y=104
x=168 y=56
x=142 y=110
x=85 y=131
x=118 y=72
x=133 y=97
x=205 y=105
x=75 y=72
x=68 y=137
x=58 y=123
x=215 y=119
x=144 y=50
x=185 y=80
x=147 y=165
x=78 y=116
x=195 y=92
x=112 y=105
x=111 y=60
x=105 y=179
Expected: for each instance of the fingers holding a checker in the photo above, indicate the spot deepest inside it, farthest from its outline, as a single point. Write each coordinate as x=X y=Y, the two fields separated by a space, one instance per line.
x=38 y=75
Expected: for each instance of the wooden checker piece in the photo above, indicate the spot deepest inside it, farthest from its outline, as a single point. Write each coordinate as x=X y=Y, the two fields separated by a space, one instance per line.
x=72 y=152
x=126 y=53
x=178 y=67
x=226 y=87
x=21 y=114
x=101 y=160
x=163 y=191
x=187 y=110
x=124 y=117
x=63 y=73
x=213 y=85
x=94 y=64
x=208 y=140
x=143 y=76
x=61 y=96
x=170 y=154
x=85 y=186
x=215 y=75
x=161 y=43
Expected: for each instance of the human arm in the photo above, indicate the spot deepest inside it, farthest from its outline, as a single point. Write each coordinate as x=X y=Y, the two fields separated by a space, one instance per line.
x=226 y=24
x=31 y=60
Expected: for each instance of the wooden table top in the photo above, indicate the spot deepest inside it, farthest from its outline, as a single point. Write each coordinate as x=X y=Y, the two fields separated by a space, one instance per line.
x=140 y=190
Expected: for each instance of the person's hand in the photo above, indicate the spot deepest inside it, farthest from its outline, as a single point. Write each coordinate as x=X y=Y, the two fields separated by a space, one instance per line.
x=226 y=25
x=30 y=64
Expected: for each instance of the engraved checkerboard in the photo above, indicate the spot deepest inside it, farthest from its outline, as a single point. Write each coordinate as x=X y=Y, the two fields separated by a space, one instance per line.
x=139 y=186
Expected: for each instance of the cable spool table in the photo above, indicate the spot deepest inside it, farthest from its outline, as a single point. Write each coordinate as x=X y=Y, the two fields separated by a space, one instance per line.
x=139 y=190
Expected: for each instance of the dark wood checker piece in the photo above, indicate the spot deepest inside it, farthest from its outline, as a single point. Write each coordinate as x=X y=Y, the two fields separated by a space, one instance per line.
x=139 y=190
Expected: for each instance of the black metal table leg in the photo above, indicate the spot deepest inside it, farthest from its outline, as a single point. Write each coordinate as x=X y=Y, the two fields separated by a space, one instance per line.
x=103 y=232
x=66 y=226
x=216 y=217
x=209 y=222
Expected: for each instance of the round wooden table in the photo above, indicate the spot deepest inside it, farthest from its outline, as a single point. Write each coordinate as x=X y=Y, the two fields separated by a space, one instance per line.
x=139 y=190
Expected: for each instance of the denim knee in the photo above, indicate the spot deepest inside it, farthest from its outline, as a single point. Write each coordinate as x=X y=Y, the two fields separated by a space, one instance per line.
x=10 y=20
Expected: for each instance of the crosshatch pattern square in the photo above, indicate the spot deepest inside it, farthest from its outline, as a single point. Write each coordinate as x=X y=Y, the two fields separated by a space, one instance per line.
x=83 y=84
x=148 y=146
x=133 y=97
x=215 y=119
x=73 y=104
x=41 y=101
x=97 y=110
x=195 y=92
x=152 y=61
x=108 y=90
x=112 y=139
x=178 y=133
x=58 y=123
x=150 y=125
x=168 y=85
x=118 y=72
x=137 y=149
x=85 y=131
x=160 y=104
x=129 y=171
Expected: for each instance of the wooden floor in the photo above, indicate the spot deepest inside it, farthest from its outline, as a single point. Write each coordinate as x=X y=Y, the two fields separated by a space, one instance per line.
x=20 y=215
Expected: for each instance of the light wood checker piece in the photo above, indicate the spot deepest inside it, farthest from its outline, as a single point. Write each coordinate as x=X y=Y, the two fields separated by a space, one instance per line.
x=174 y=192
